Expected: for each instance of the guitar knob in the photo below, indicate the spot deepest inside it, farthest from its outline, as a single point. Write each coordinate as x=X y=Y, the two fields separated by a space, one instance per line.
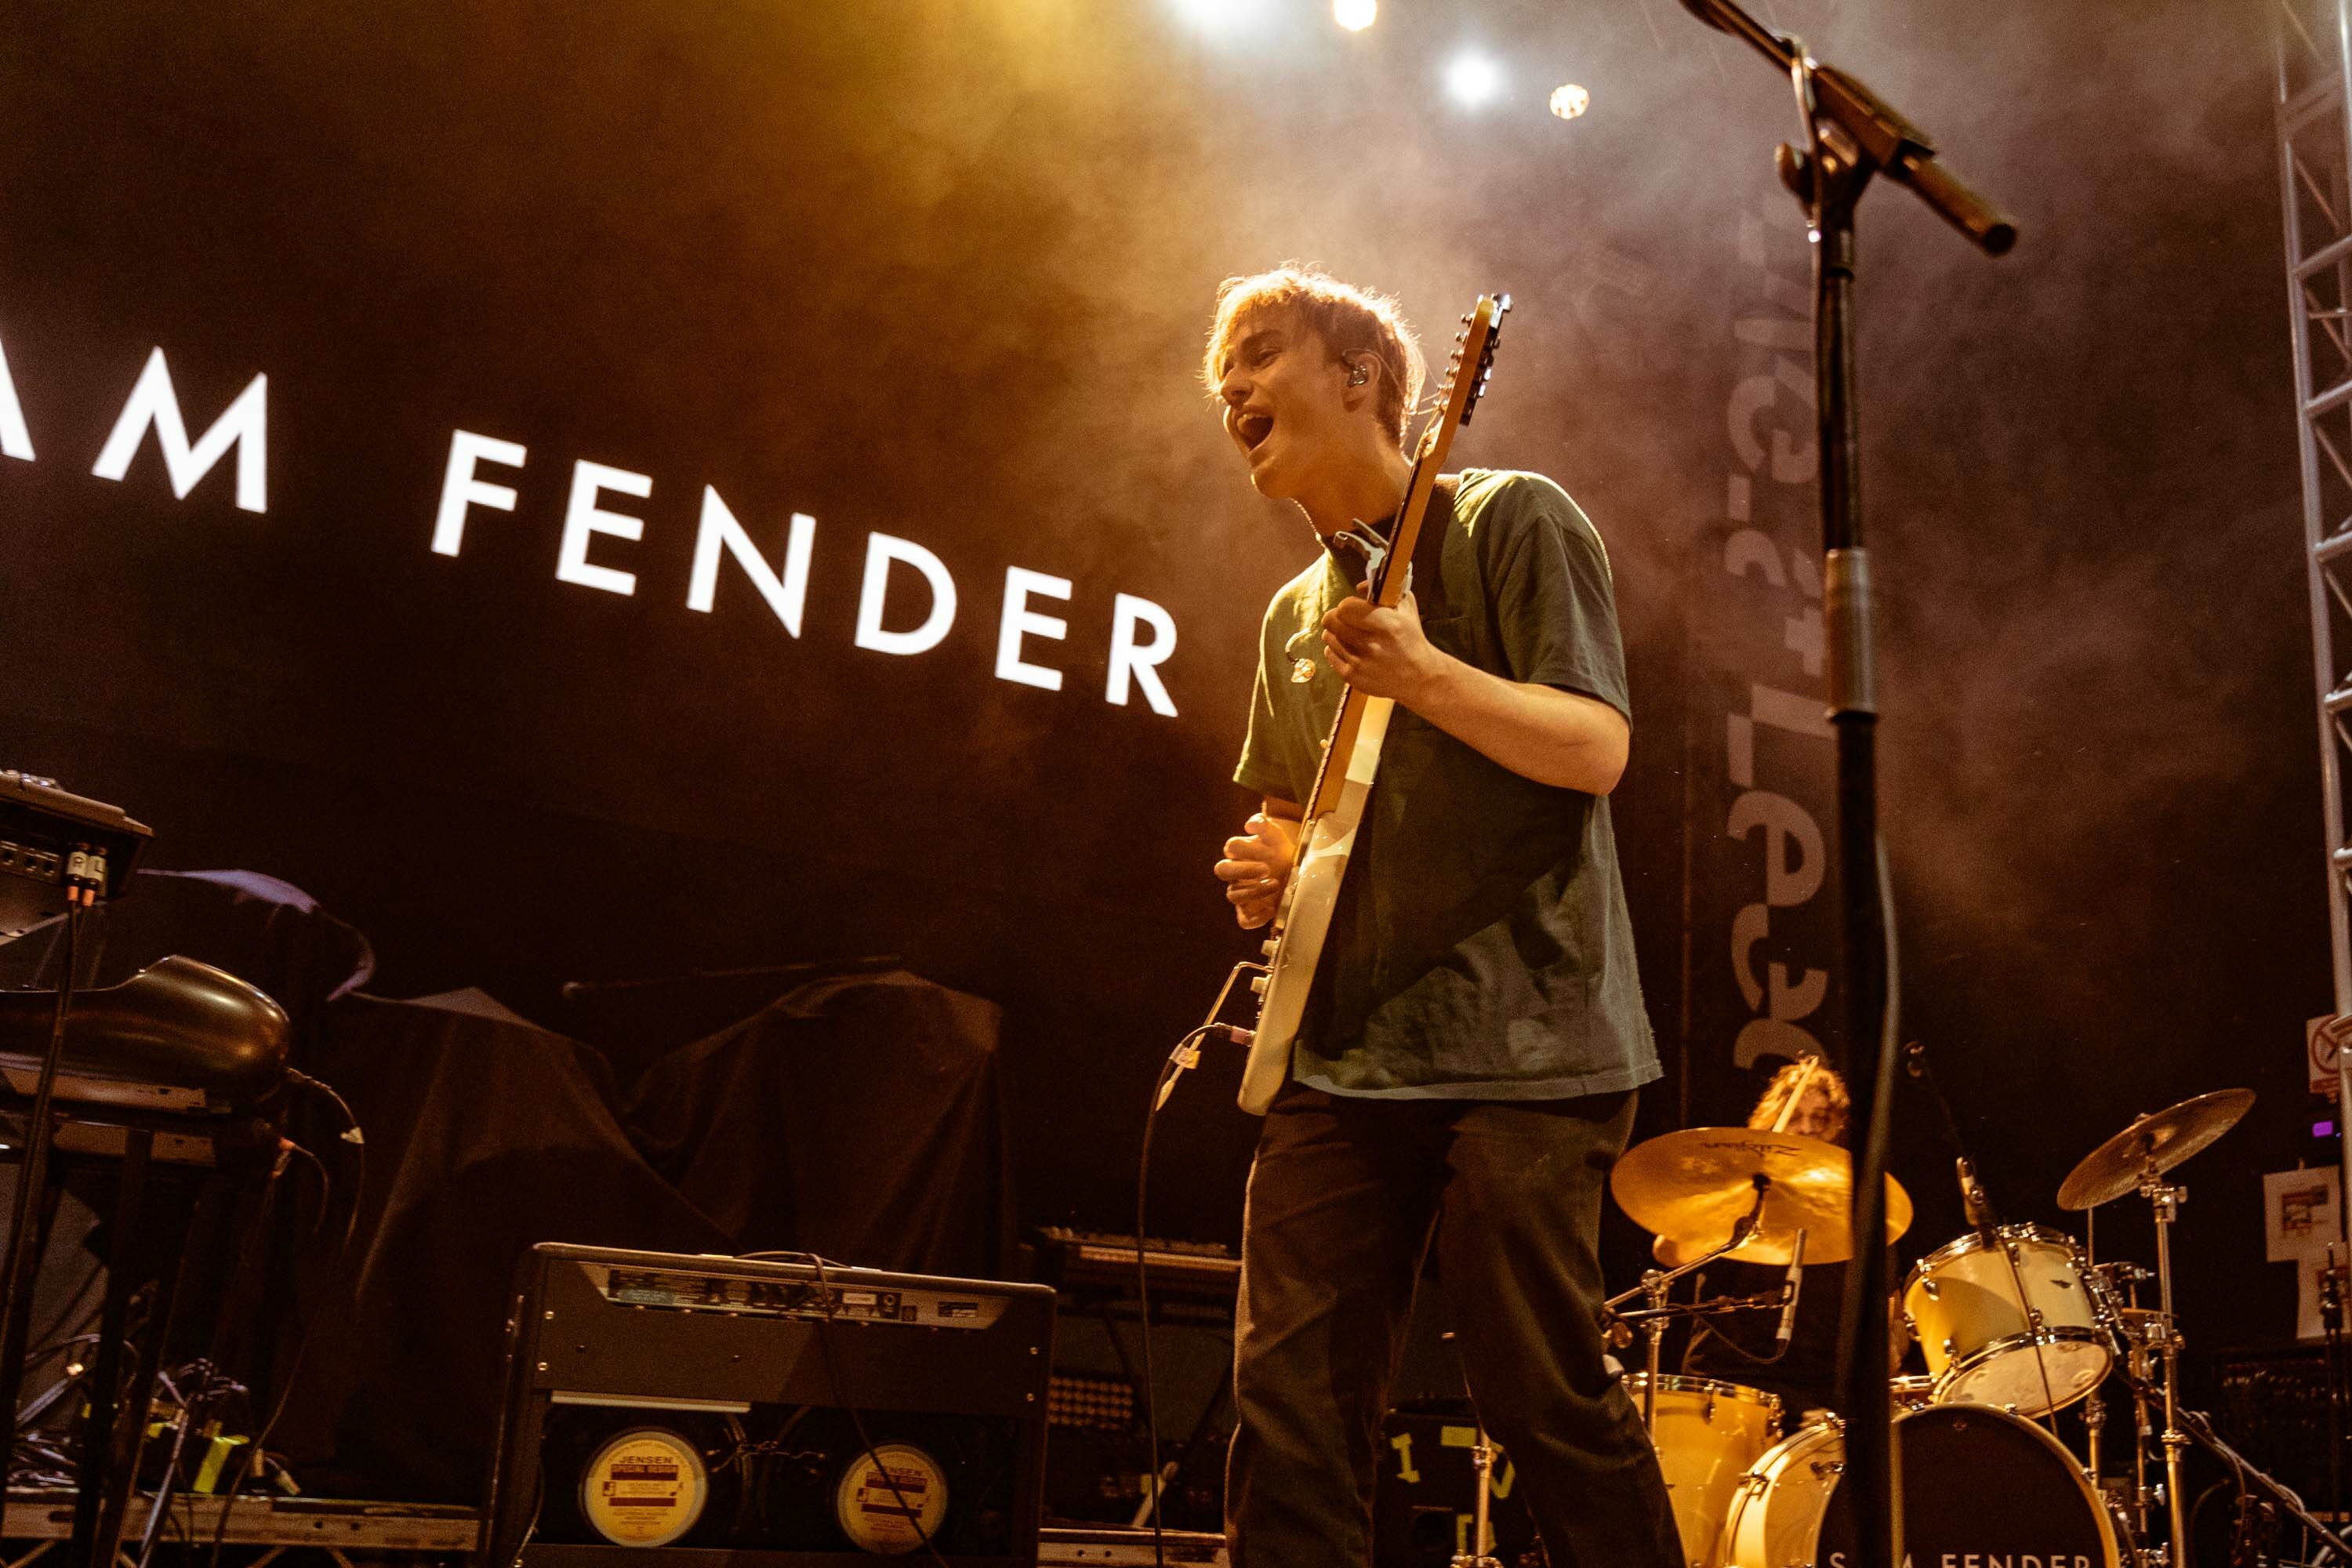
x=1258 y=984
x=1271 y=946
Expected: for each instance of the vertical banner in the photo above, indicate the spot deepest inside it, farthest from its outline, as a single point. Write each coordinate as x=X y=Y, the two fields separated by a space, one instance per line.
x=1763 y=932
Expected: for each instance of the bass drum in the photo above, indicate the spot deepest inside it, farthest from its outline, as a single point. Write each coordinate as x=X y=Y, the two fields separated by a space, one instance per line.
x=1979 y=1486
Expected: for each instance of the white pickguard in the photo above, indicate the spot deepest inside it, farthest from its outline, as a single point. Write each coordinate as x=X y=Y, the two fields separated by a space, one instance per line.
x=1306 y=917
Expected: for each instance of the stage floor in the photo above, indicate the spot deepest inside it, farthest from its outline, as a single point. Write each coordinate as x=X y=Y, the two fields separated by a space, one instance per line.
x=347 y=1529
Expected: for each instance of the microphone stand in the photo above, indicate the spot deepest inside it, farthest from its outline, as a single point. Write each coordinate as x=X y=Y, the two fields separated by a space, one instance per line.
x=1973 y=1201
x=1851 y=135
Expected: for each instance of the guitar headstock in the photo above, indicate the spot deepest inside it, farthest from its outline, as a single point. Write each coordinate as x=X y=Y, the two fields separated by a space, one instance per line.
x=1470 y=368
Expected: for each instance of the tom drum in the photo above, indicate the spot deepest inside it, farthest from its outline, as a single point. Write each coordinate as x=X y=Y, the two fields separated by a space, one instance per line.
x=1708 y=1434
x=1986 y=1346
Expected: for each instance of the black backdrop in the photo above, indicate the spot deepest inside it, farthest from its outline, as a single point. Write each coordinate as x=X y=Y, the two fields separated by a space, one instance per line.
x=938 y=272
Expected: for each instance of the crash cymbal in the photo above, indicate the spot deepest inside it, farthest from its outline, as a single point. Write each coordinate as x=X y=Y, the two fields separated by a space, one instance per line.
x=1693 y=1187
x=2150 y=1146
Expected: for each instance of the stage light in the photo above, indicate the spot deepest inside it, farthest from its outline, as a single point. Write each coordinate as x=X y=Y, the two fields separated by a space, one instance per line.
x=1570 y=100
x=1473 y=79
x=1220 y=16
x=1355 y=14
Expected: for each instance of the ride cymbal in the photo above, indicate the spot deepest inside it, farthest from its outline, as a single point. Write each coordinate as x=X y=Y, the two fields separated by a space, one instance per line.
x=1693 y=1187
x=2150 y=1146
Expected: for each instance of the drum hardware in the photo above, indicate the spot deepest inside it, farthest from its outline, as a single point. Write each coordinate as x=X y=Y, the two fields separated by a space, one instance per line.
x=1481 y=1553
x=2136 y=1161
x=2166 y=1201
x=1911 y=1390
x=2095 y=1421
x=1657 y=1285
x=1481 y=1540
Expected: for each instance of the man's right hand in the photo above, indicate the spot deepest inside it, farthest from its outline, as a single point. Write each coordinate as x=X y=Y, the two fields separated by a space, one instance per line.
x=1255 y=867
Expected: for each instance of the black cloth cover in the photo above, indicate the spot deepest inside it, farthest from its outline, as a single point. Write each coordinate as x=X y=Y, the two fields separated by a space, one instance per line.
x=859 y=1116
x=482 y=1138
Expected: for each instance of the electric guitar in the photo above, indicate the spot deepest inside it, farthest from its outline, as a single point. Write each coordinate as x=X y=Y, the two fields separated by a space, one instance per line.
x=1334 y=809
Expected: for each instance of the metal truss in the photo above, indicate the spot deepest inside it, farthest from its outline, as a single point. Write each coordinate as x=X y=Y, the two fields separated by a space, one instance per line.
x=2315 y=136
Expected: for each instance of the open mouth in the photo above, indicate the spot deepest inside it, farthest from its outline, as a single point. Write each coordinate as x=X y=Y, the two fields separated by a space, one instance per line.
x=1253 y=428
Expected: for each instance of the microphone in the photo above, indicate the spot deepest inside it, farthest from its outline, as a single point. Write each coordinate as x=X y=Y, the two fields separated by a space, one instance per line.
x=1972 y=1196
x=1796 y=1283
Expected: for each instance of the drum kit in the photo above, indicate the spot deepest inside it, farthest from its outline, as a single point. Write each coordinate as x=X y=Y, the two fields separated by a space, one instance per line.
x=2016 y=1322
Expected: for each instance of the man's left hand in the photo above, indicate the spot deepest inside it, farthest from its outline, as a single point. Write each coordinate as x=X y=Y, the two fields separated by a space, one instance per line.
x=1382 y=653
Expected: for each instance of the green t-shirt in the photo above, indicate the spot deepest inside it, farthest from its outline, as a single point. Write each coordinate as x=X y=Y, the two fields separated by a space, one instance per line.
x=1480 y=948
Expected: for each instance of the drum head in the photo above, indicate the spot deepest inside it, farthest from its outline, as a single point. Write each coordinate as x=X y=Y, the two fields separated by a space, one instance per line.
x=1983 y=1486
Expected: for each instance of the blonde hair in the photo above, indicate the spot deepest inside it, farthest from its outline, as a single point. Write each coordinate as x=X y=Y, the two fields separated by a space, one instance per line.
x=1350 y=321
x=1804 y=1077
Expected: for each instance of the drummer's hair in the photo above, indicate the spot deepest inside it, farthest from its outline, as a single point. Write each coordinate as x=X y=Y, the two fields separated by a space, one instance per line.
x=1812 y=1074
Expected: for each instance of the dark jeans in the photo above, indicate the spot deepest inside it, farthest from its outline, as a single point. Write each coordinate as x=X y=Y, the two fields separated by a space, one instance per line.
x=1342 y=1200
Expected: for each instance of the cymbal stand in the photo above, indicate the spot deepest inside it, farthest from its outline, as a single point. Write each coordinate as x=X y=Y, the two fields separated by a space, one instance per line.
x=2095 y=1421
x=2143 y=1437
x=2166 y=1199
x=2182 y=1425
x=1654 y=1285
x=1481 y=1538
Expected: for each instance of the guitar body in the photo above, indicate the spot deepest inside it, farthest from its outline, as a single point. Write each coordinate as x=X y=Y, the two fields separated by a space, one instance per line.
x=1351 y=756
x=1296 y=947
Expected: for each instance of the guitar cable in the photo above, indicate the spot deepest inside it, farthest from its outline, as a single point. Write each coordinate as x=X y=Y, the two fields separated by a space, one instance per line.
x=1186 y=1055
x=827 y=1311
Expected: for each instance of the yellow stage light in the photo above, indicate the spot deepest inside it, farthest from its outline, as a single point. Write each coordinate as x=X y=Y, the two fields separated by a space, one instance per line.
x=1570 y=102
x=1355 y=14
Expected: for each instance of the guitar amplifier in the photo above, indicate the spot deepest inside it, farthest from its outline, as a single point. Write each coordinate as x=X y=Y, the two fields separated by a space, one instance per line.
x=666 y=1411
x=1426 y=1498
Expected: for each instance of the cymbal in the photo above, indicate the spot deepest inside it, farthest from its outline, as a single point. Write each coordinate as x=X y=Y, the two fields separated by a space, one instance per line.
x=2150 y=1146
x=1693 y=1186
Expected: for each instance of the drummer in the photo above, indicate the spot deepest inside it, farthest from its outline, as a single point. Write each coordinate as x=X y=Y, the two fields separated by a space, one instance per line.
x=1806 y=1098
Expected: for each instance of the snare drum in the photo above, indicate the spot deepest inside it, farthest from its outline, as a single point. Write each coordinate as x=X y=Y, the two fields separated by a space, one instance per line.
x=1708 y=1434
x=1788 y=1513
x=1983 y=1346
